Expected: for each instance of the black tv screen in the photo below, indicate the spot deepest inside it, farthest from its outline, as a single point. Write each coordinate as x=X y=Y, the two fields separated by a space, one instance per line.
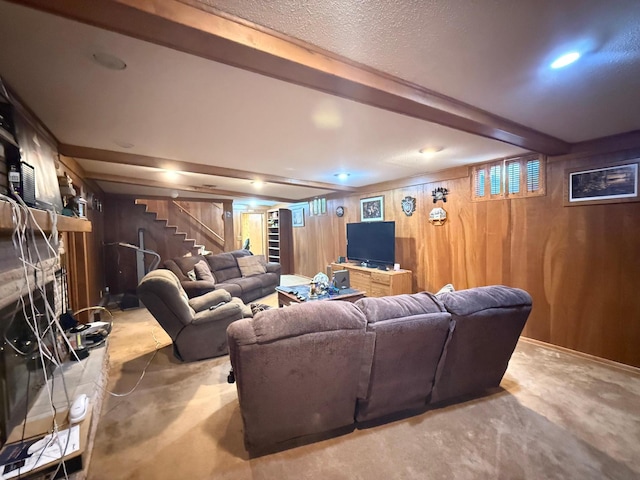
x=373 y=243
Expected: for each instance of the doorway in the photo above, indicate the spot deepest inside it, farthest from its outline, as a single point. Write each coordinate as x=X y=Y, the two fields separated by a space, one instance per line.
x=252 y=225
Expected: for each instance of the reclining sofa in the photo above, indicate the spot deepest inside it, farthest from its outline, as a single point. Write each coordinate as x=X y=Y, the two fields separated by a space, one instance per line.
x=226 y=274
x=320 y=368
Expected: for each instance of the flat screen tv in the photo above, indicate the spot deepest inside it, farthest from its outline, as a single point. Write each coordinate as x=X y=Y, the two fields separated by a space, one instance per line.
x=372 y=243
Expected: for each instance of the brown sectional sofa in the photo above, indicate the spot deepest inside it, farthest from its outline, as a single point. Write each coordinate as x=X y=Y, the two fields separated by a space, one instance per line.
x=227 y=276
x=319 y=368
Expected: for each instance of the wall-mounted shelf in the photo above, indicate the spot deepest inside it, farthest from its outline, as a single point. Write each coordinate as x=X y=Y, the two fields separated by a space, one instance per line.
x=64 y=224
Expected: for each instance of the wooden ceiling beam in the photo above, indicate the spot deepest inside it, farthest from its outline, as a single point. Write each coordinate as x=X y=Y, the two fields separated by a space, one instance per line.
x=103 y=177
x=197 y=30
x=180 y=166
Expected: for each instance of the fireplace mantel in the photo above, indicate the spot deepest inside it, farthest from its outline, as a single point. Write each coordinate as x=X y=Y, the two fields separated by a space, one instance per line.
x=65 y=224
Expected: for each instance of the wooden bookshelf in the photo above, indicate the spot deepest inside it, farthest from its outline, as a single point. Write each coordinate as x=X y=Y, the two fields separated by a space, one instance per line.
x=64 y=224
x=280 y=239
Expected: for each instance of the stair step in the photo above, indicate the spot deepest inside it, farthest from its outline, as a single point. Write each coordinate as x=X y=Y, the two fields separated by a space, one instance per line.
x=196 y=248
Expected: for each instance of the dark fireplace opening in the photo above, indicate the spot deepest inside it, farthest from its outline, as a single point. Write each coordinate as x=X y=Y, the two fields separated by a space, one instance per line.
x=21 y=368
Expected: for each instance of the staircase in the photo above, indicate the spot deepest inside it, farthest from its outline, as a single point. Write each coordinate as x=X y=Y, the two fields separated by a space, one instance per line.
x=158 y=210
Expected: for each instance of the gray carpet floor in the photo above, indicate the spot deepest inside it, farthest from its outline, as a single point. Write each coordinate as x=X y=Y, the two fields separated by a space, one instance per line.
x=557 y=415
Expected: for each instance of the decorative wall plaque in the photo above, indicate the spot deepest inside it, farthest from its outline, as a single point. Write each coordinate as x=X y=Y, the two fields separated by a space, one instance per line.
x=408 y=205
x=438 y=216
x=440 y=193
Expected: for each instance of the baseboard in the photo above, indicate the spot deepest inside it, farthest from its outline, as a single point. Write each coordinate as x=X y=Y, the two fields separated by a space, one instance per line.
x=576 y=353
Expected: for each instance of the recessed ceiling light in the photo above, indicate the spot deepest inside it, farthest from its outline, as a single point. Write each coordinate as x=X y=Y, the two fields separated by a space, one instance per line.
x=257 y=183
x=431 y=150
x=109 y=61
x=342 y=176
x=566 y=59
x=209 y=185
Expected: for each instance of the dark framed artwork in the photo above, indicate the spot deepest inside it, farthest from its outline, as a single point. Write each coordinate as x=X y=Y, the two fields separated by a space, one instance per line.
x=609 y=184
x=372 y=209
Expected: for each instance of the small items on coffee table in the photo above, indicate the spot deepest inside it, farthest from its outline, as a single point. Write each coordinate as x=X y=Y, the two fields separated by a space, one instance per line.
x=301 y=293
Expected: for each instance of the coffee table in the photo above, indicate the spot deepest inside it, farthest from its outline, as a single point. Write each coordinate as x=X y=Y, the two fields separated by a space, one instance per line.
x=287 y=295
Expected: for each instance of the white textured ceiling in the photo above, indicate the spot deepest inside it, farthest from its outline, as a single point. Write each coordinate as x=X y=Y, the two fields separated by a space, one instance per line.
x=492 y=54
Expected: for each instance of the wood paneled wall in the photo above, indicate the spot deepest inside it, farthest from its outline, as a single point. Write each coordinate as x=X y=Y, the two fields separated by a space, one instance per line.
x=580 y=263
x=124 y=218
x=84 y=251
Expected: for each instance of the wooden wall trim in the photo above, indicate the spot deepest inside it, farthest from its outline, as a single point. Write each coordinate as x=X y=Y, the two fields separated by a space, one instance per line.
x=441 y=176
x=406 y=182
x=71 y=165
x=203 y=33
x=599 y=146
x=163 y=197
x=176 y=186
x=178 y=165
x=605 y=361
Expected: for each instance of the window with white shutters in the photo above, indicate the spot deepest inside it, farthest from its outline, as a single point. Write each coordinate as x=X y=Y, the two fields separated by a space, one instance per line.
x=509 y=178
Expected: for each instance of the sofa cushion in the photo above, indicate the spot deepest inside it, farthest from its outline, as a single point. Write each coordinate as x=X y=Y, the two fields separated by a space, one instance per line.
x=268 y=280
x=248 y=284
x=251 y=265
x=203 y=272
x=186 y=263
x=233 y=288
x=224 y=266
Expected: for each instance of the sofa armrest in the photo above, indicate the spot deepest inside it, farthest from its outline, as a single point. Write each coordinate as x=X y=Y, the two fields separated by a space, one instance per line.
x=273 y=267
x=215 y=297
x=223 y=312
x=195 y=288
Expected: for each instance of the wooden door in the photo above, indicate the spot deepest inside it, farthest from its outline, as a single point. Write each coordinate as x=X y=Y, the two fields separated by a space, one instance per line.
x=253 y=228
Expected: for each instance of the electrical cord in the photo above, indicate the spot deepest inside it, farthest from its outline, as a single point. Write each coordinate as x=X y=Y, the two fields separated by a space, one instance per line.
x=26 y=243
x=144 y=370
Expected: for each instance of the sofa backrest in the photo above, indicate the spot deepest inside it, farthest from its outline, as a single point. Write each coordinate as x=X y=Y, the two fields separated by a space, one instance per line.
x=224 y=266
x=181 y=265
x=164 y=297
x=488 y=323
x=410 y=334
x=298 y=369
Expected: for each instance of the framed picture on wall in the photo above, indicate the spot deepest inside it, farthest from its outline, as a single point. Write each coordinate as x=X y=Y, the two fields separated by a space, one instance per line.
x=297 y=217
x=610 y=184
x=372 y=209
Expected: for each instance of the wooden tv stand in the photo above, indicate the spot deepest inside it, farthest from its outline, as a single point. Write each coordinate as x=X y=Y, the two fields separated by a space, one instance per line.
x=377 y=283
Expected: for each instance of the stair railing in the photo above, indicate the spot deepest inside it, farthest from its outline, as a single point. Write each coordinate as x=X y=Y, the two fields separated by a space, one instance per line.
x=199 y=222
